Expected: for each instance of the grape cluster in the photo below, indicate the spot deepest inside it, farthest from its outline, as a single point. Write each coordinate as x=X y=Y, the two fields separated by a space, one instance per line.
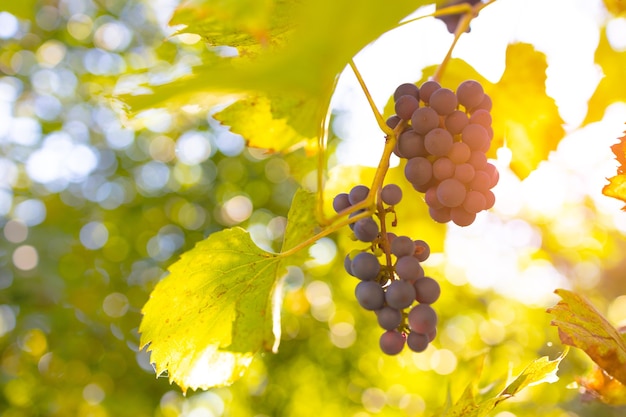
x=392 y=288
x=445 y=143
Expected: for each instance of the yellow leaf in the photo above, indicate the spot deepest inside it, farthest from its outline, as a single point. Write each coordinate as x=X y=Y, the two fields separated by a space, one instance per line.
x=617 y=7
x=525 y=119
x=582 y=326
x=611 y=88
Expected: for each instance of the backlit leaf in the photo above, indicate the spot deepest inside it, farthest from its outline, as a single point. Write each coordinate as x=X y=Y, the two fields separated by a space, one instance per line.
x=292 y=80
x=611 y=88
x=582 y=326
x=217 y=307
x=616 y=187
x=525 y=119
x=617 y=7
x=598 y=385
x=472 y=404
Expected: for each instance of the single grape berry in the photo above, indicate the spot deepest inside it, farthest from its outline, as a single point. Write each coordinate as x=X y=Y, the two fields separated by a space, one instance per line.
x=341 y=202
x=370 y=295
x=400 y=294
x=422 y=318
x=417 y=342
x=405 y=106
x=393 y=121
x=347 y=264
x=411 y=144
x=427 y=89
x=456 y=121
x=406 y=89
x=475 y=136
x=365 y=266
x=443 y=101
x=389 y=318
x=409 y=268
x=424 y=120
x=443 y=168
x=461 y=217
x=366 y=230
x=418 y=171
x=402 y=246
x=392 y=342
x=427 y=290
x=470 y=93
x=422 y=250
x=459 y=152
x=451 y=192
x=391 y=194
x=358 y=194
x=438 y=141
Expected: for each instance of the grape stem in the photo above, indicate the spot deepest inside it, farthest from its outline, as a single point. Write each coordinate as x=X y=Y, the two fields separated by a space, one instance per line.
x=469 y=13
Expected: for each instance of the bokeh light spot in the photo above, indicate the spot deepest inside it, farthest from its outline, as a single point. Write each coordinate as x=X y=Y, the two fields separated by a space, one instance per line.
x=443 y=361
x=7 y=319
x=25 y=257
x=9 y=25
x=94 y=235
x=15 y=231
x=237 y=209
x=115 y=305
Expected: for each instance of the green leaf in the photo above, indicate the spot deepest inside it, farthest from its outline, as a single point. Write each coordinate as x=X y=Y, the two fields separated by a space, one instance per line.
x=218 y=306
x=537 y=372
x=525 y=119
x=244 y=23
x=23 y=9
x=293 y=80
x=611 y=88
x=582 y=326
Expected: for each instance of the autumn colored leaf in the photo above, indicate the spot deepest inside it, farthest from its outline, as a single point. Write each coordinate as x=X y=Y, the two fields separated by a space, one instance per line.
x=218 y=306
x=525 y=118
x=598 y=385
x=611 y=88
x=582 y=326
x=616 y=187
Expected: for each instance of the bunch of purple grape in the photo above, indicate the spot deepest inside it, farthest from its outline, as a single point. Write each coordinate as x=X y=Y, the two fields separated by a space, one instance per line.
x=445 y=143
x=391 y=289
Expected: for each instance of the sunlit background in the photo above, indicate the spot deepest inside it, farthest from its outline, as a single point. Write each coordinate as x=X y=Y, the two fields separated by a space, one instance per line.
x=93 y=210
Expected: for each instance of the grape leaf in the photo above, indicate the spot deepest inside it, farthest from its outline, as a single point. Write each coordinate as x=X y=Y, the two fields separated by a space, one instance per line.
x=218 y=306
x=293 y=79
x=245 y=24
x=470 y=404
x=601 y=386
x=582 y=326
x=611 y=88
x=616 y=187
x=524 y=117
x=617 y=7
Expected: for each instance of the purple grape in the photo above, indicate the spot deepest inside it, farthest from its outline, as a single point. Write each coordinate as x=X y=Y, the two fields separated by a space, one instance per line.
x=424 y=120
x=341 y=202
x=406 y=89
x=400 y=294
x=347 y=264
x=417 y=342
x=389 y=318
x=427 y=290
x=427 y=89
x=422 y=319
x=418 y=171
x=391 y=194
x=443 y=101
x=422 y=250
x=365 y=266
x=470 y=94
x=370 y=295
x=366 y=230
x=402 y=246
x=409 y=268
x=358 y=194
x=405 y=106
x=392 y=342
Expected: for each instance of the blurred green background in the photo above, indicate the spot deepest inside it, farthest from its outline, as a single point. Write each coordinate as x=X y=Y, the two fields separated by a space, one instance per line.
x=93 y=212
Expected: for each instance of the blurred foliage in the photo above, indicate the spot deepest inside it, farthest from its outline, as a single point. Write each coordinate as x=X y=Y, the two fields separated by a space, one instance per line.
x=93 y=213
